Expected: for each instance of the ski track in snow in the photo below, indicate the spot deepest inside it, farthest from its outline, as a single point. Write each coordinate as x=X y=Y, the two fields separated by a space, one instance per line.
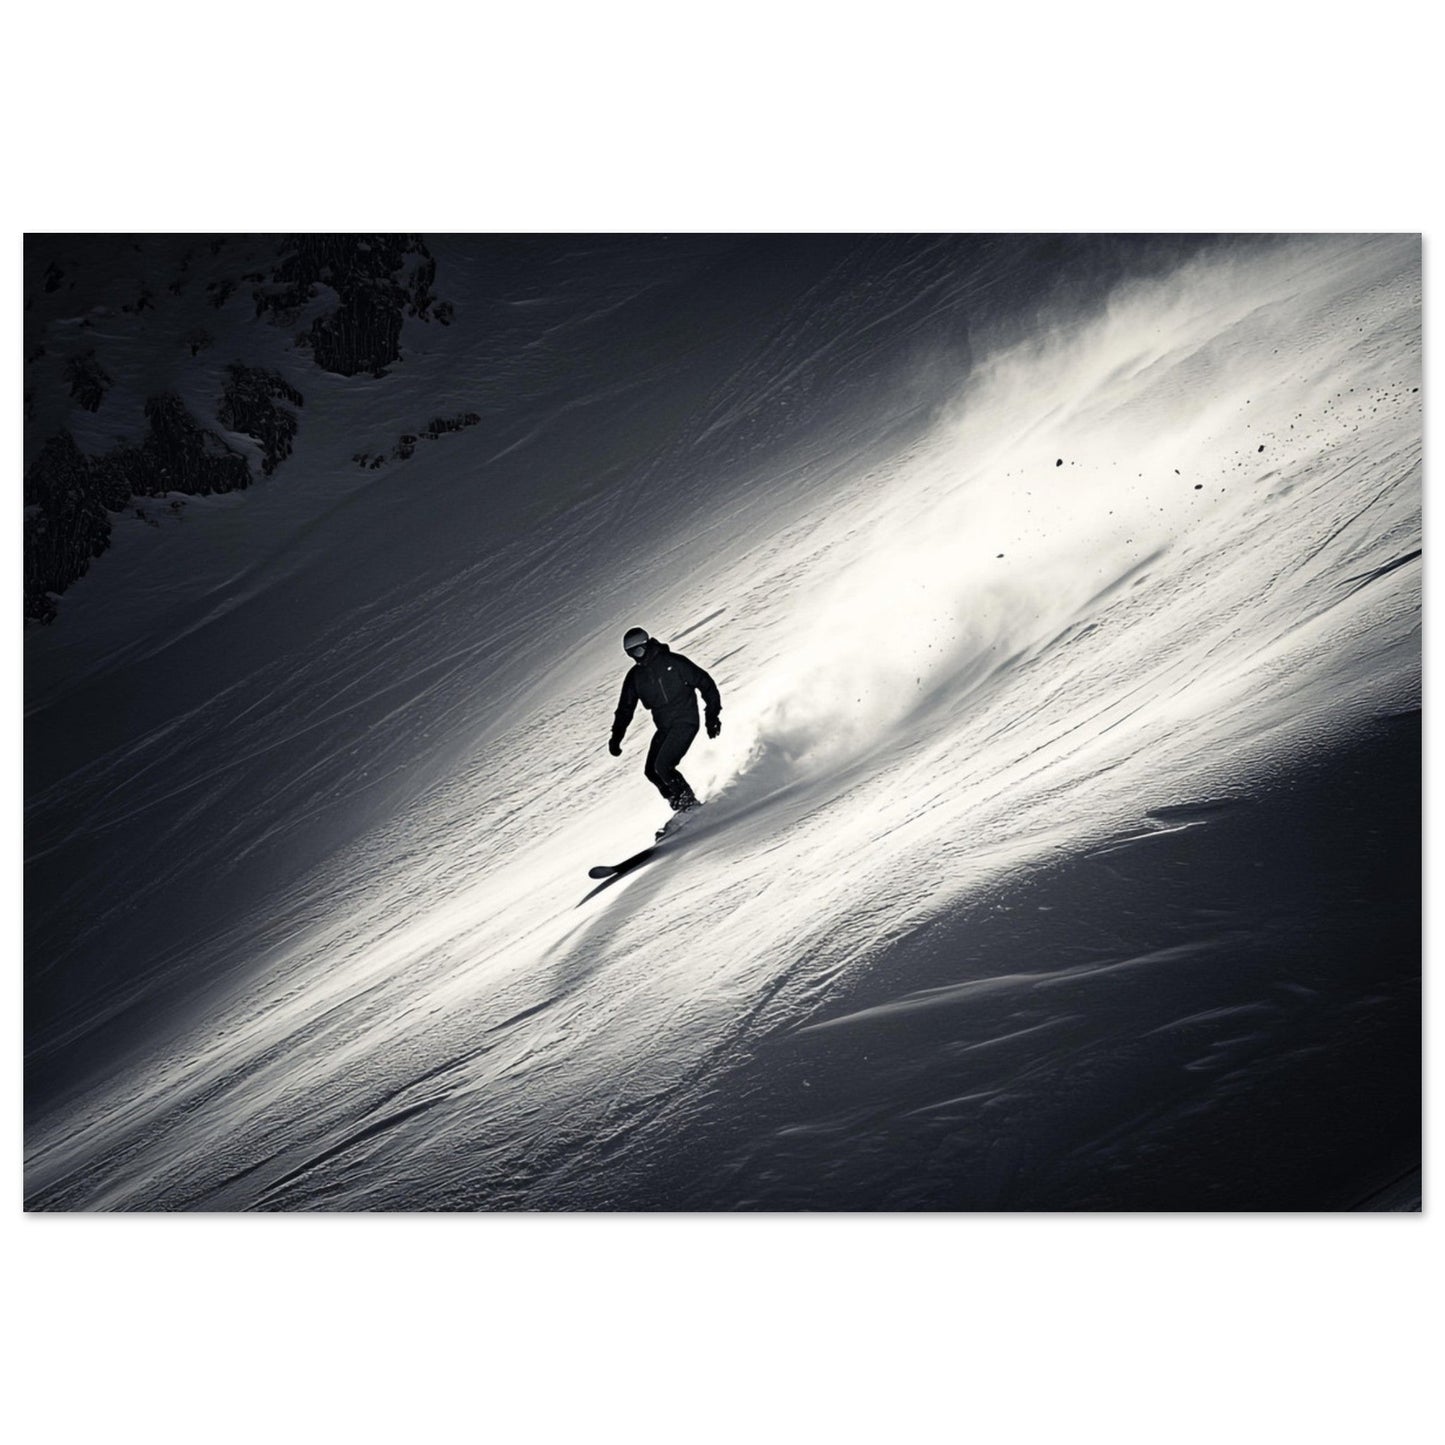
x=344 y=811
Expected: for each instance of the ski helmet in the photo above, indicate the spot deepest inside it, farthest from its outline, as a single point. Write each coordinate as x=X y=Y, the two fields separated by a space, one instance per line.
x=634 y=637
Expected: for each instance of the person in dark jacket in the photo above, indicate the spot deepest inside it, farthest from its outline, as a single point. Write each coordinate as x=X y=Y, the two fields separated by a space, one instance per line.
x=667 y=684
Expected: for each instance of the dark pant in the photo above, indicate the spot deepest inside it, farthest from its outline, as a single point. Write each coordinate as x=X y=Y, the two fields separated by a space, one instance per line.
x=668 y=745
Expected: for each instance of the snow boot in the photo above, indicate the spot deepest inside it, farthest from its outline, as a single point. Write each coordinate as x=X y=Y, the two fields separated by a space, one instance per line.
x=682 y=810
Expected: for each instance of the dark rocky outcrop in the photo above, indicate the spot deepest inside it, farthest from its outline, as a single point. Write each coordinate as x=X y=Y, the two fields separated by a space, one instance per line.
x=374 y=289
x=66 y=523
x=250 y=405
x=441 y=424
x=363 y=335
x=69 y=496
x=88 y=381
x=406 y=444
x=177 y=455
x=348 y=295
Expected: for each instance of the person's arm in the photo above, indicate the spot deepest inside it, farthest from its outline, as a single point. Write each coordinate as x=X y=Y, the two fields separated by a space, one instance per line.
x=711 y=698
x=626 y=706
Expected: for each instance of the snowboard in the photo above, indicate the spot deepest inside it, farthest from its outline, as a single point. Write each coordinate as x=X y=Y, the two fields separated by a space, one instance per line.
x=616 y=870
x=666 y=834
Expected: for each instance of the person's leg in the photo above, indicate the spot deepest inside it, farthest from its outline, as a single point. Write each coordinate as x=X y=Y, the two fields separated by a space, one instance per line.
x=669 y=747
x=649 y=770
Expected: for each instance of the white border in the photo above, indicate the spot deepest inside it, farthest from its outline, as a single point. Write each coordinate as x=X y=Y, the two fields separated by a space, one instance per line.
x=1235 y=116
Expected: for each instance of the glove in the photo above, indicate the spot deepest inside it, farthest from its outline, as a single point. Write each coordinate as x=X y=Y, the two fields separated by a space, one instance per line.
x=714 y=726
x=614 y=747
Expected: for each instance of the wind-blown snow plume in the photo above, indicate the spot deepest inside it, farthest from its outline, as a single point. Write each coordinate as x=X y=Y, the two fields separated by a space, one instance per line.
x=1157 y=443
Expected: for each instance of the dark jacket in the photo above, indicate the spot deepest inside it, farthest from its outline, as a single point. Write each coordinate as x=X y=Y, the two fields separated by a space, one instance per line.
x=666 y=683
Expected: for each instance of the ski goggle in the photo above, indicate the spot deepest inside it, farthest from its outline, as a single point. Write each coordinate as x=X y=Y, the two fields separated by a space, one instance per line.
x=636 y=651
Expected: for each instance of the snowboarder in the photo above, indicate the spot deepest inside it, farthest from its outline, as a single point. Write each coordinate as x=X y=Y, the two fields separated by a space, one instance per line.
x=666 y=683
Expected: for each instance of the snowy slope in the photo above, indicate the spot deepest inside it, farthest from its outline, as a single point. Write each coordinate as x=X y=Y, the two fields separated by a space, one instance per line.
x=314 y=778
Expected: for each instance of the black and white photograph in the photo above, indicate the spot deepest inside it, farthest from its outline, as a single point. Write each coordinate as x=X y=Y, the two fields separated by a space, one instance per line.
x=720 y=724
x=723 y=722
